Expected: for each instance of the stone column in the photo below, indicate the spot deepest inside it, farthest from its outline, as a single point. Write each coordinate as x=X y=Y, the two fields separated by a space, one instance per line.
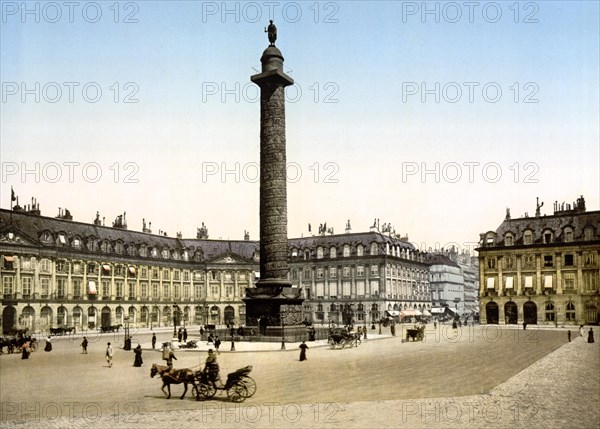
x=273 y=190
x=274 y=289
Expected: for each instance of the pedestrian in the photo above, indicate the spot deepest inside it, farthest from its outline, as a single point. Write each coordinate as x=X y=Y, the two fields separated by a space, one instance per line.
x=581 y=330
x=524 y=325
x=48 y=347
x=153 y=341
x=590 y=336
x=170 y=357
x=179 y=335
x=25 y=352
x=210 y=339
x=303 y=348
x=138 y=356
x=435 y=324
x=217 y=344
x=393 y=330
x=184 y=335
x=201 y=333
x=84 y=345
x=109 y=354
x=569 y=335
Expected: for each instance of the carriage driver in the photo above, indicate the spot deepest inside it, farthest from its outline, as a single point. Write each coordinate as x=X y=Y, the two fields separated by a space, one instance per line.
x=211 y=368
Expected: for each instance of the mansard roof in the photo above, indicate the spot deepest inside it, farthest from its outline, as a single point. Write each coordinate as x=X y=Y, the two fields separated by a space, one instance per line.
x=33 y=226
x=555 y=223
x=353 y=239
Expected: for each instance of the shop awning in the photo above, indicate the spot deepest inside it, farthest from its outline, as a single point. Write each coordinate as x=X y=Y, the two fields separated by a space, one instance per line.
x=9 y=258
x=406 y=313
x=92 y=287
x=106 y=267
x=393 y=313
x=426 y=313
x=257 y=274
x=132 y=270
x=438 y=310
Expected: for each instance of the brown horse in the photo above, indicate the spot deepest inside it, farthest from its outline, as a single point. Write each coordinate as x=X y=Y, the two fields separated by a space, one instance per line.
x=172 y=376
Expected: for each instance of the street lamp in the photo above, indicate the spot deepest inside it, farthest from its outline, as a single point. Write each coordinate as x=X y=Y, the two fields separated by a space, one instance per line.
x=175 y=310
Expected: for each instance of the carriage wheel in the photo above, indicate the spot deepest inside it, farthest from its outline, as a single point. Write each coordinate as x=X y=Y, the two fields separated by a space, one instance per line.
x=250 y=385
x=237 y=392
x=205 y=391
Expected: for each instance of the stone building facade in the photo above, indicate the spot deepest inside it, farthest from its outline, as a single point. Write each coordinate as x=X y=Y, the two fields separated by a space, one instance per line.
x=58 y=272
x=542 y=269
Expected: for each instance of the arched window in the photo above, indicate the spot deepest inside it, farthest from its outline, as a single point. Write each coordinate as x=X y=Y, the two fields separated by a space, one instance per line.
x=319 y=252
x=373 y=248
x=360 y=250
x=527 y=237
x=346 y=250
x=332 y=252
x=568 y=234
x=508 y=239
x=570 y=311
x=550 y=315
x=588 y=233
x=548 y=236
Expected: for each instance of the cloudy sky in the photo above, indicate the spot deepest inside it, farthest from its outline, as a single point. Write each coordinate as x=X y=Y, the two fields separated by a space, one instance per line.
x=434 y=117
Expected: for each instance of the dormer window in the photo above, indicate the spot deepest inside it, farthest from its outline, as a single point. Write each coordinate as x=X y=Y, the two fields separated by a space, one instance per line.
x=588 y=233
x=143 y=250
x=154 y=252
x=346 y=250
x=105 y=247
x=319 y=252
x=62 y=239
x=508 y=240
x=76 y=242
x=568 y=235
x=547 y=236
x=186 y=255
x=165 y=254
x=119 y=247
x=333 y=252
x=360 y=251
x=527 y=237
x=373 y=248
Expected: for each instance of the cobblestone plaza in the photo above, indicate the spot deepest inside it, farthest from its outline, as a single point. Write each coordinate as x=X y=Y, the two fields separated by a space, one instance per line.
x=483 y=375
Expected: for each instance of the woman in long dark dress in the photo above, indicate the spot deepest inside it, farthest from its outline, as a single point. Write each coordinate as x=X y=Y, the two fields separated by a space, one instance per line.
x=138 y=356
x=590 y=336
x=303 y=348
x=48 y=347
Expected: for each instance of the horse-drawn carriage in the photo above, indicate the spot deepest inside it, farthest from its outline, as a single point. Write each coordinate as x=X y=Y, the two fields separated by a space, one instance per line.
x=61 y=330
x=340 y=338
x=417 y=333
x=207 y=382
x=16 y=339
